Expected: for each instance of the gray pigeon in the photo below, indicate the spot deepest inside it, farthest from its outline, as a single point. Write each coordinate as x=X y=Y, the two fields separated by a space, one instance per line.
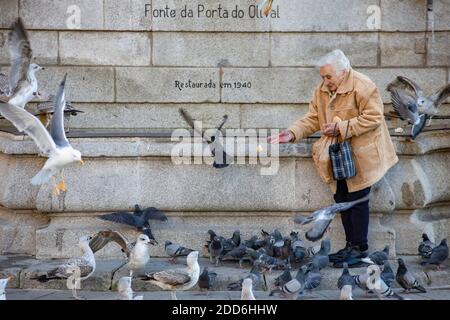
x=345 y=279
x=255 y=275
x=387 y=274
x=438 y=255
x=405 y=105
x=377 y=285
x=207 y=279
x=323 y=217
x=426 y=246
x=291 y=289
x=175 y=250
x=405 y=278
x=215 y=250
x=298 y=248
x=239 y=253
x=285 y=277
x=321 y=257
x=138 y=219
x=313 y=276
x=377 y=257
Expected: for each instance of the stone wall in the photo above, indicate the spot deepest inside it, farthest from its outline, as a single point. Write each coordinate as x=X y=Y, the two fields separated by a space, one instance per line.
x=122 y=67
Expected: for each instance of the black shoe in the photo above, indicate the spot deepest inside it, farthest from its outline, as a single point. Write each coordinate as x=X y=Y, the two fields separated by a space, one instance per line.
x=353 y=259
x=341 y=254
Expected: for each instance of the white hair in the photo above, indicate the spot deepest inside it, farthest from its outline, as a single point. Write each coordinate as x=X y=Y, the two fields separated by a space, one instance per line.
x=337 y=59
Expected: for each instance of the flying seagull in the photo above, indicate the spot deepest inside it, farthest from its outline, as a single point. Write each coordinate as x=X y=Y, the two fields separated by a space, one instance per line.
x=138 y=252
x=54 y=145
x=177 y=279
x=428 y=105
x=82 y=268
x=138 y=219
x=23 y=86
x=323 y=217
x=405 y=105
x=221 y=158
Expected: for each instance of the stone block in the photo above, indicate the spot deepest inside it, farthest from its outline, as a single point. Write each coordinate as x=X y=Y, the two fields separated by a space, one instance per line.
x=126 y=15
x=393 y=15
x=399 y=49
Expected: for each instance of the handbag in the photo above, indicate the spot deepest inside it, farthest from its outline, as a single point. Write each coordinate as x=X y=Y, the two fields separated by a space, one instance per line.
x=341 y=157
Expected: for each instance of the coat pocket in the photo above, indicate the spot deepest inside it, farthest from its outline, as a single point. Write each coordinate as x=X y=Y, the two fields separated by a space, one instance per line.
x=367 y=160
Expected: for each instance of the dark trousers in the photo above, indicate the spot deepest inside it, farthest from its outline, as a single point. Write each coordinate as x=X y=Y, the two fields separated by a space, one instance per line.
x=356 y=219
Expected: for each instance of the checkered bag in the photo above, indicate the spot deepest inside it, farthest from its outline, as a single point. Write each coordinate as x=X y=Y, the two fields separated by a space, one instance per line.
x=341 y=158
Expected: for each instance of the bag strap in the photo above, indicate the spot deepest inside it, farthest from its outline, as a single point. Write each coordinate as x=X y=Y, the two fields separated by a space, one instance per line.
x=334 y=131
x=346 y=131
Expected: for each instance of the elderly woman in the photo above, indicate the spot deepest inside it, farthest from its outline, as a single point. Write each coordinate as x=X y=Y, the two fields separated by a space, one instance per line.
x=347 y=104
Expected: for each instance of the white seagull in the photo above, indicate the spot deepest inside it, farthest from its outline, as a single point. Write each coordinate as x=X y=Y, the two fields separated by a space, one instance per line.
x=79 y=268
x=54 y=145
x=247 y=290
x=23 y=86
x=138 y=252
x=177 y=279
x=125 y=291
x=3 y=284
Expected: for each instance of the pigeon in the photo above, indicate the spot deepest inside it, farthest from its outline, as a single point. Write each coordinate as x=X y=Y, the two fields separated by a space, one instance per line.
x=23 y=86
x=346 y=279
x=361 y=281
x=313 y=276
x=138 y=219
x=215 y=250
x=377 y=285
x=138 y=252
x=206 y=279
x=426 y=105
x=323 y=217
x=45 y=110
x=283 y=278
x=238 y=253
x=405 y=105
x=321 y=257
x=405 y=278
x=233 y=242
x=175 y=250
x=247 y=290
x=291 y=289
x=438 y=255
x=3 y=284
x=346 y=293
x=221 y=158
x=298 y=248
x=387 y=274
x=267 y=262
x=124 y=289
x=251 y=243
x=425 y=247
x=177 y=279
x=377 y=257
x=82 y=268
x=255 y=275
x=54 y=145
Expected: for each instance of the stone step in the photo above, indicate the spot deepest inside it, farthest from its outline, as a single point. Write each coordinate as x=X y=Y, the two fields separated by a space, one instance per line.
x=108 y=272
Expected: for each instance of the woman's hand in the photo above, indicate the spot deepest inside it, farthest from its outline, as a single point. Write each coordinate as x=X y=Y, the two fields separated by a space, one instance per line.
x=328 y=129
x=284 y=136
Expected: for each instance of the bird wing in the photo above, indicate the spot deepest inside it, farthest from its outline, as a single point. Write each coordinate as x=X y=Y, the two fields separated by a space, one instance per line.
x=318 y=229
x=439 y=96
x=26 y=122
x=187 y=117
x=172 y=277
x=410 y=84
x=404 y=105
x=57 y=127
x=121 y=217
x=102 y=238
x=20 y=53
x=153 y=214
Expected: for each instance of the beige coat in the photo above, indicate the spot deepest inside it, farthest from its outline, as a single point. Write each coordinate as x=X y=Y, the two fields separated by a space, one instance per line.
x=357 y=99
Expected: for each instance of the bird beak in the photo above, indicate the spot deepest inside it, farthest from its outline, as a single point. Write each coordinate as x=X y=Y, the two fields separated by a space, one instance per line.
x=153 y=242
x=82 y=162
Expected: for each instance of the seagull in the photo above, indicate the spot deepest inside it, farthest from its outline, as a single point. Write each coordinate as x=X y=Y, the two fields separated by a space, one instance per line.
x=124 y=289
x=138 y=219
x=3 y=284
x=207 y=279
x=82 y=268
x=23 y=86
x=428 y=105
x=54 y=145
x=405 y=105
x=138 y=252
x=425 y=247
x=406 y=279
x=323 y=217
x=175 y=250
x=221 y=158
x=247 y=290
x=177 y=279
